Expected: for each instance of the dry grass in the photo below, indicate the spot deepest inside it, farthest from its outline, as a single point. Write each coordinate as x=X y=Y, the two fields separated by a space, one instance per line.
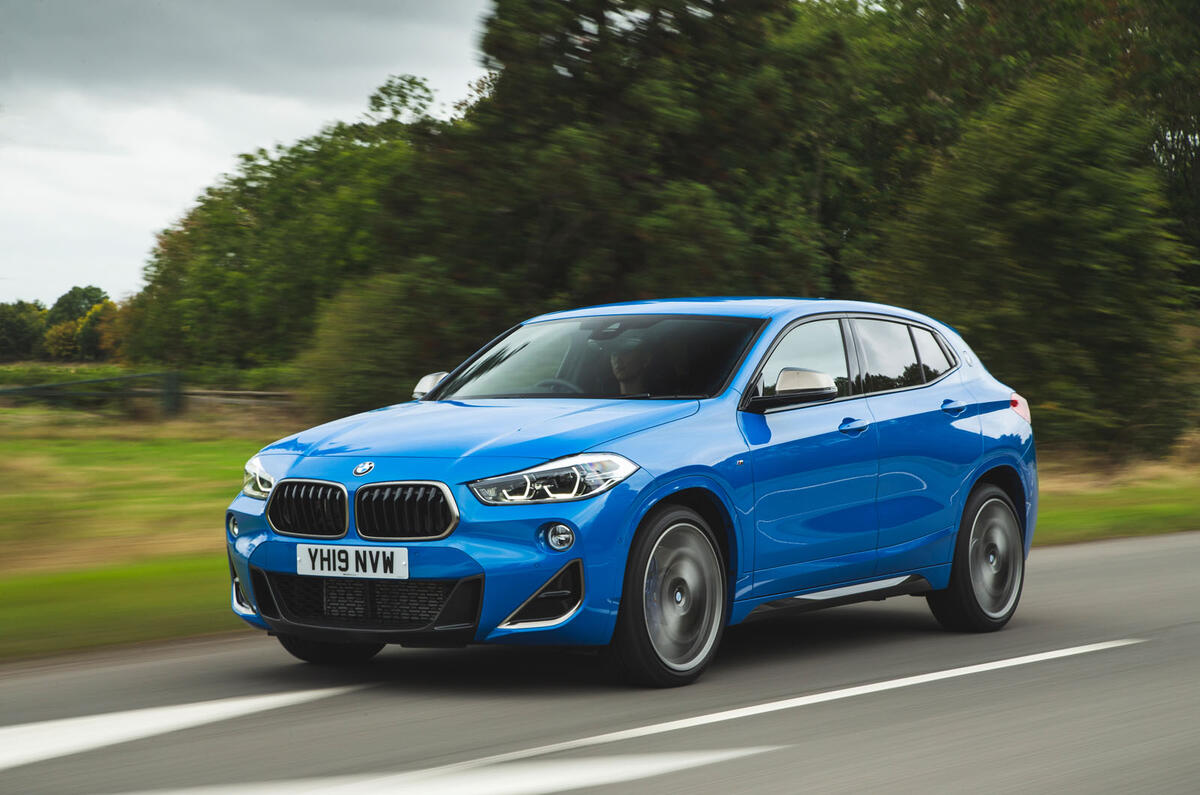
x=83 y=490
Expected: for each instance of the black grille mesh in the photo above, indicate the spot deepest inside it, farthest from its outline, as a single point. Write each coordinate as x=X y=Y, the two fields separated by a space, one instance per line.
x=351 y=602
x=308 y=508
x=402 y=510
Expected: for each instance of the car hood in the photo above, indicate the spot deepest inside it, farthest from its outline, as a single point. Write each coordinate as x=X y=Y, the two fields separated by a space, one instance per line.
x=541 y=428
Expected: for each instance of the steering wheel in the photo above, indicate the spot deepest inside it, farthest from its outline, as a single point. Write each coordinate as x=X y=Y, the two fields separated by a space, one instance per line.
x=566 y=386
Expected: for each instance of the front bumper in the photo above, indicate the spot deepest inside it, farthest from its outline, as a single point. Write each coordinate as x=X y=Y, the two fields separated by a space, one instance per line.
x=463 y=586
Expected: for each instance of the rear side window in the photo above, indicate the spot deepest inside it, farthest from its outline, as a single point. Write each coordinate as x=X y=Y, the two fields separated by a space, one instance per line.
x=891 y=358
x=811 y=346
x=933 y=358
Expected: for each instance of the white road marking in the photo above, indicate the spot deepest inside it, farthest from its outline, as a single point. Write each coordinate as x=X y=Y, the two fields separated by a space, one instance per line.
x=776 y=706
x=36 y=741
x=514 y=778
x=33 y=742
x=509 y=773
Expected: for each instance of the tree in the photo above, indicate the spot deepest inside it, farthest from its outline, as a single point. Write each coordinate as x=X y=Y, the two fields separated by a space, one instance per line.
x=379 y=336
x=89 y=337
x=74 y=304
x=238 y=281
x=1043 y=236
x=61 y=341
x=1153 y=47
x=22 y=324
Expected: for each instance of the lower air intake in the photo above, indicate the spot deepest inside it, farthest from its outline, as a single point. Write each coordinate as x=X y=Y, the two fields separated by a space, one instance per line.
x=554 y=601
x=360 y=603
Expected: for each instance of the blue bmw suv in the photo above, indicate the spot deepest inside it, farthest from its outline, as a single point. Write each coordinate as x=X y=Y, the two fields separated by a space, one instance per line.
x=641 y=476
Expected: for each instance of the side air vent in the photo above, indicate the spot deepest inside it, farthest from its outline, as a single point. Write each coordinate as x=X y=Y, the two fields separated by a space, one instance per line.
x=238 y=593
x=555 y=601
x=262 y=592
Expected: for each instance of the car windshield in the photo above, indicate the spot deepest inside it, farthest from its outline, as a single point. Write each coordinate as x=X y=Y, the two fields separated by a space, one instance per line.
x=621 y=356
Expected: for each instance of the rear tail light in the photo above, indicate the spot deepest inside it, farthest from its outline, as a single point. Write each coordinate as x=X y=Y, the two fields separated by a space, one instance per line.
x=1021 y=406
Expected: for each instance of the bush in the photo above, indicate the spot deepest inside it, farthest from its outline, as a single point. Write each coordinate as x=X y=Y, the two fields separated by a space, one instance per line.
x=22 y=324
x=61 y=341
x=377 y=338
x=92 y=338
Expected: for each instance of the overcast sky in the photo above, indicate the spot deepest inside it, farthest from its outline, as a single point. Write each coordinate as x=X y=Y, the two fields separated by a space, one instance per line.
x=115 y=115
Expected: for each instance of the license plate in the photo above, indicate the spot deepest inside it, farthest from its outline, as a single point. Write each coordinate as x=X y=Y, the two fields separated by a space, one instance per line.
x=328 y=560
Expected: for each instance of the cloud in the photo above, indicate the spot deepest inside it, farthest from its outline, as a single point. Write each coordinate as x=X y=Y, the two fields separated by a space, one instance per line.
x=286 y=47
x=114 y=116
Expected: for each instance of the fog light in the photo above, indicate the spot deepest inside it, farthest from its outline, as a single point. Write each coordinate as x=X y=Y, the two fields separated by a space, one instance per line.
x=233 y=526
x=560 y=537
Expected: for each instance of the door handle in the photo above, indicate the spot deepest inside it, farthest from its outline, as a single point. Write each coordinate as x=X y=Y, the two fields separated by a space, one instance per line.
x=852 y=426
x=954 y=407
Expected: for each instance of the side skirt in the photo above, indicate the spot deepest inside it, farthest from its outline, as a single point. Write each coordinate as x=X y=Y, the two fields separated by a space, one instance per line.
x=876 y=590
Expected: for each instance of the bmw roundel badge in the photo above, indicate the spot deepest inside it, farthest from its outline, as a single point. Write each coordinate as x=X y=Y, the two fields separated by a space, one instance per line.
x=363 y=468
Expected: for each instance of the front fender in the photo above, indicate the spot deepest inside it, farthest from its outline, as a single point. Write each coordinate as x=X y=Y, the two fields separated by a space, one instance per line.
x=739 y=531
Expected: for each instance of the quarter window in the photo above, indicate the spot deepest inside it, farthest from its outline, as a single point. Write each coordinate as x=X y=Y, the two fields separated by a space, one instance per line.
x=812 y=346
x=891 y=358
x=933 y=358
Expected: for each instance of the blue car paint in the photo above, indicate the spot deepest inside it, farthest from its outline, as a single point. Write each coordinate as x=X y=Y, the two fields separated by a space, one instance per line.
x=805 y=506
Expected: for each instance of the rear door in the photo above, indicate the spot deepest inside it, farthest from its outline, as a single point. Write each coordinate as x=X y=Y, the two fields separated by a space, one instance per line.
x=928 y=436
x=814 y=470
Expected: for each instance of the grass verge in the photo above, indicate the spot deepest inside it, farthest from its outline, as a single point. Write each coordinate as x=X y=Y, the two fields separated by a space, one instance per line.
x=110 y=530
x=1144 y=504
x=174 y=597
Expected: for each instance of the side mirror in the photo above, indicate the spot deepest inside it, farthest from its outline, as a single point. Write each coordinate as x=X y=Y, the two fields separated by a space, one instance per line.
x=796 y=385
x=427 y=383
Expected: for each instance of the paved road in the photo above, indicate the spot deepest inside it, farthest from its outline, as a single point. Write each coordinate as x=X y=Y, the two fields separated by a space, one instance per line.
x=835 y=701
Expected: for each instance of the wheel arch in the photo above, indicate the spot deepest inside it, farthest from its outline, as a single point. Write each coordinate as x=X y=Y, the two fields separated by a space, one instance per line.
x=710 y=501
x=713 y=511
x=1006 y=478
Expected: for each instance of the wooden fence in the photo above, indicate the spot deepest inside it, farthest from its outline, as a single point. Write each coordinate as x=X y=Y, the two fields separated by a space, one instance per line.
x=166 y=388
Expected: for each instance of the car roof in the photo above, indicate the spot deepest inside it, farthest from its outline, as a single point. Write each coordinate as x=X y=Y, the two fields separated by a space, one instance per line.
x=766 y=307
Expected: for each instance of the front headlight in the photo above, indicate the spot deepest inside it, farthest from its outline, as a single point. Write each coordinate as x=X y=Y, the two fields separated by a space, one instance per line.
x=573 y=478
x=256 y=481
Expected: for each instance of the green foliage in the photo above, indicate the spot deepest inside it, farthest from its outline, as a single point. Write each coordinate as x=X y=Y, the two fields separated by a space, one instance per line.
x=90 y=338
x=1152 y=47
x=32 y=373
x=61 y=341
x=377 y=338
x=1043 y=237
x=645 y=148
x=22 y=325
x=74 y=304
x=238 y=280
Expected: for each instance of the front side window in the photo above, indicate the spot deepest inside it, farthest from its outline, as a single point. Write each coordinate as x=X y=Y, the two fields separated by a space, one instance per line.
x=891 y=359
x=812 y=346
x=619 y=356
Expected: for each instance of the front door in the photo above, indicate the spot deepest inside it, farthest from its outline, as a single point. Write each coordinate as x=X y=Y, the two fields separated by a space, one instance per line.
x=814 y=470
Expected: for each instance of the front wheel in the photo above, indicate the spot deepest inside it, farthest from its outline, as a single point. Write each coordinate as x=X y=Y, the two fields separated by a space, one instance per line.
x=675 y=601
x=988 y=571
x=327 y=653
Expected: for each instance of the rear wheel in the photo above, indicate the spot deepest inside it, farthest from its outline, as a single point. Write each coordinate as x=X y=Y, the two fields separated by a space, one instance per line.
x=674 y=605
x=988 y=571
x=326 y=653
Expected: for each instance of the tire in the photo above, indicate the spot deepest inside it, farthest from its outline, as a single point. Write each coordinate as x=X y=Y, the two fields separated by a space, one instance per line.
x=674 y=604
x=326 y=653
x=988 y=571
